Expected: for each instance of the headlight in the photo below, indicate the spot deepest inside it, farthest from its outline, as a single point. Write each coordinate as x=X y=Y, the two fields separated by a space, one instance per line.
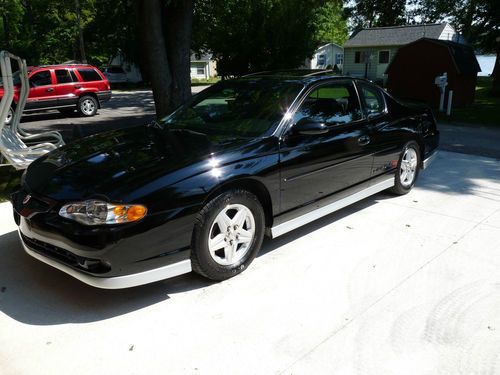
x=93 y=212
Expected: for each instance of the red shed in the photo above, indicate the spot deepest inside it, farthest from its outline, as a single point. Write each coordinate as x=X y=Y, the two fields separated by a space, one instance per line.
x=412 y=72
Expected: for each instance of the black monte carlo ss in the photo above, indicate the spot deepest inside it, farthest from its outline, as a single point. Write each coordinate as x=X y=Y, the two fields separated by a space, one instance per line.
x=260 y=155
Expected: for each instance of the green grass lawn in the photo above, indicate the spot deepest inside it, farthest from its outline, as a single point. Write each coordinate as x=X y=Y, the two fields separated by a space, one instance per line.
x=484 y=111
x=9 y=180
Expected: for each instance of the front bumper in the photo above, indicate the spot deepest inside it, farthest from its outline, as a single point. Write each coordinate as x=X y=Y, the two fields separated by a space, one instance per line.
x=118 y=282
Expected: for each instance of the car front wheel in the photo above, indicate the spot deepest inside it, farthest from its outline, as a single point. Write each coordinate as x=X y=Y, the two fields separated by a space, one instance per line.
x=87 y=105
x=408 y=168
x=228 y=235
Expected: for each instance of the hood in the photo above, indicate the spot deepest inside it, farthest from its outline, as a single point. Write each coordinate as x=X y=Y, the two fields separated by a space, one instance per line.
x=115 y=164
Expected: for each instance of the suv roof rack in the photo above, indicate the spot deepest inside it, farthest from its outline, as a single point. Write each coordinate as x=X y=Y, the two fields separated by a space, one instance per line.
x=62 y=64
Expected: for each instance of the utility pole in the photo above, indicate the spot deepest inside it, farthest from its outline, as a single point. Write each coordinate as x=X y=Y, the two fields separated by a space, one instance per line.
x=80 y=31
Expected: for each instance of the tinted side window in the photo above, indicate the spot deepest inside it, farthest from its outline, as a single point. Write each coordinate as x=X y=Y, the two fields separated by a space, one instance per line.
x=41 y=78
x=332 y=104
x=73 y=76
x=372 y=99
x=63 y=76
x=89 y=75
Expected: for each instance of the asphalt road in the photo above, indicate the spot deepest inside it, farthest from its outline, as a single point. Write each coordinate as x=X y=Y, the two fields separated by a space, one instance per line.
x=134 y=108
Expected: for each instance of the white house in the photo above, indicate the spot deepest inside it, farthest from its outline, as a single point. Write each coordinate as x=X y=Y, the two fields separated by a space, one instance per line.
x=326 y=56
x=131 y=70
x=369 y=52
x=203 y=66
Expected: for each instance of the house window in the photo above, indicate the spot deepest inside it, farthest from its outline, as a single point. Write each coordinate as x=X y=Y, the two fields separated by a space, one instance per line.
x=383 y=57
x=200 y=71
x=357 y=57
x=321 y=60
x=339 y=58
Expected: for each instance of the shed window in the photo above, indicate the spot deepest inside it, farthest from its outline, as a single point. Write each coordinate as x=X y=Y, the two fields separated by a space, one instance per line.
x=383 y=57
x=200 y=71
x=339 y=58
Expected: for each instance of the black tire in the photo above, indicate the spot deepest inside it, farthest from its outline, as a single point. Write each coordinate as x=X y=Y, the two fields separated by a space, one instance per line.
x=87 y=106
x=404 y=187
x=202 y=261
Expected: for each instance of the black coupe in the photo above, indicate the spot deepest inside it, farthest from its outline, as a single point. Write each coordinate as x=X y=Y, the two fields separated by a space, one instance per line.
x=198 y=190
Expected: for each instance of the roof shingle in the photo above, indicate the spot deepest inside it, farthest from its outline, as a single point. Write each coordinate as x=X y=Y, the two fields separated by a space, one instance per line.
x=394 y=35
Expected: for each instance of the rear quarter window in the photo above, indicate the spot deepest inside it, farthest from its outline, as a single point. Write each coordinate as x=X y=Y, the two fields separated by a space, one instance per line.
x=89 y=75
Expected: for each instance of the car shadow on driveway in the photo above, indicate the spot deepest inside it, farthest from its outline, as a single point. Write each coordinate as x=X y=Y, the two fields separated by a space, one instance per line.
x=34 y=293
x=37 y=294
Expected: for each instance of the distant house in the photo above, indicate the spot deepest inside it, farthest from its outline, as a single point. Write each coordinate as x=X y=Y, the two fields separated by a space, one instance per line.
x=326 y=57
x=413 y=70
x=203 y=66
x=132 y=71
x=369 y=52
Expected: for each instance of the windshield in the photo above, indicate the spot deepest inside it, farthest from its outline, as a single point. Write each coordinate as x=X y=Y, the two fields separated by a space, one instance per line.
x=236 y=109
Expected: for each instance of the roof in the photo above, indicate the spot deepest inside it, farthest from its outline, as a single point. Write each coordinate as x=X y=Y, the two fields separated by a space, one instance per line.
x=394 y=35
x=462 y=54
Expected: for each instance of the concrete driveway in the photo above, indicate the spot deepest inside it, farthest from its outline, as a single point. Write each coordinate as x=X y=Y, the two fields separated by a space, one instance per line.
x=391 y=285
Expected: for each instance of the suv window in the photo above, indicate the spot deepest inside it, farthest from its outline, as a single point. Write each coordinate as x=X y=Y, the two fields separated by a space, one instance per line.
x=73 y=76
x=372 y=99
x=89 y=75
x=63 y=76
x=335 y=103
x=42 y=78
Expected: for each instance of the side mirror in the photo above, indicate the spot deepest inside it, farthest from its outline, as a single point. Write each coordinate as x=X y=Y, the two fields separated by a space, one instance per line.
x=307 y=126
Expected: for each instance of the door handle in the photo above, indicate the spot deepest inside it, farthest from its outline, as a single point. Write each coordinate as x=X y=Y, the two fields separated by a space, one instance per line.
x=363 y=140
x=49 y=89
x=78 y=87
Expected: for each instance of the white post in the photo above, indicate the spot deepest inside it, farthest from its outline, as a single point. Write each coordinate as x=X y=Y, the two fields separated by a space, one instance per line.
x=450 y=99
x=441 y=99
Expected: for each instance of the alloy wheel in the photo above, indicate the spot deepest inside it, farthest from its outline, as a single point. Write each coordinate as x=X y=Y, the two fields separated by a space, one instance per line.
x=408 y=168
x=231 y=234
x=88 y=107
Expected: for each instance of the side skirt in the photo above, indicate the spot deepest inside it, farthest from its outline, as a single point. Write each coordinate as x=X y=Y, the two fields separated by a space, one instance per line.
x=299 y=221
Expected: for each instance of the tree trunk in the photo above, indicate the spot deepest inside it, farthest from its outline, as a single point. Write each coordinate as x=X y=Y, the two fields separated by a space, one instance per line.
x=80 y=31
x=496 y=72
x=178 y=29
x=155 y=54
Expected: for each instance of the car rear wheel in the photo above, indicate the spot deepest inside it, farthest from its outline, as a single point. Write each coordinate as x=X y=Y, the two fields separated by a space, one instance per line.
x=408 y=168
x=228 y=235
x=87 y=105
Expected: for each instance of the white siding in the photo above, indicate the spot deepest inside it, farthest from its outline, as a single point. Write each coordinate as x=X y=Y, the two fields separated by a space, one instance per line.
x=325 y=56
x=449 y=33
x=358 y=69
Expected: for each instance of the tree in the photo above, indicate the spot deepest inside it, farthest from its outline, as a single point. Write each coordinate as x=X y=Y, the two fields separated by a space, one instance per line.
x=376 y=13
x=165 y=32
x=330 y=23
x=247 y=36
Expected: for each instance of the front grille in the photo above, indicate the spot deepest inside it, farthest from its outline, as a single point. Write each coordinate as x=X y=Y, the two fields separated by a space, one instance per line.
x=66 y=257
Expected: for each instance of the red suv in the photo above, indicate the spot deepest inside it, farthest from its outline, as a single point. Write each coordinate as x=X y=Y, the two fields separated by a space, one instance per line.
x=64 y=87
